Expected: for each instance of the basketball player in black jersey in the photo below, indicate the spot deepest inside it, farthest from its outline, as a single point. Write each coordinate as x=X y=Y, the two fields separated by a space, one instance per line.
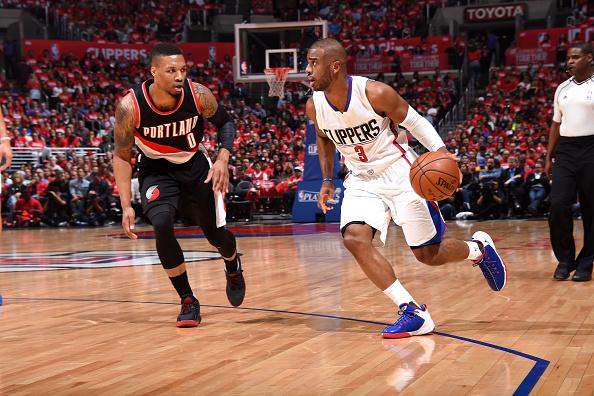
x=164 y=117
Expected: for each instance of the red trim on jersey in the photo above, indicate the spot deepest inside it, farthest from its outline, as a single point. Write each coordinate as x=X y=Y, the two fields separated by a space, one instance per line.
x=148 y=100
x=395 y=143
x=195 y=97
x=162 y=148
x=137 y=108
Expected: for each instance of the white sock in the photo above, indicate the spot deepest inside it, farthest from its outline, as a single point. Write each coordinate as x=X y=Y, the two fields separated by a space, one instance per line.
x=475 y=250
x=398 y=294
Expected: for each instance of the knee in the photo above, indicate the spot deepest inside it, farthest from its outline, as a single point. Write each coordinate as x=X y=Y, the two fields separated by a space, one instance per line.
x=163 y=223
x=355 y=243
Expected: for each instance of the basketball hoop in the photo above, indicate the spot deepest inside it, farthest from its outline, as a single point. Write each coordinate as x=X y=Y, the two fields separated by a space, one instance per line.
x=276 y=77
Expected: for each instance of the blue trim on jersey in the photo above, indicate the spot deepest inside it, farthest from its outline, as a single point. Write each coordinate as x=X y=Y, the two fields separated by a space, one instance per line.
x=437 y=222
x=346 y=106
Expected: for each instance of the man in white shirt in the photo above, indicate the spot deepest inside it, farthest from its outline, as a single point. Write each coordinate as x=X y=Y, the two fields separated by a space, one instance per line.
x=571 y=146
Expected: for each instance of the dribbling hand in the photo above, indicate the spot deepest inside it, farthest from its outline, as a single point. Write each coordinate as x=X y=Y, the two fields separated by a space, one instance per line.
x=326 y=192
x=451 y=155
x=128 y=217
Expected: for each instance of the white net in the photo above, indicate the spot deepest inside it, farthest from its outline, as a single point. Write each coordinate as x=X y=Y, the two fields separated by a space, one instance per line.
x=276 y=78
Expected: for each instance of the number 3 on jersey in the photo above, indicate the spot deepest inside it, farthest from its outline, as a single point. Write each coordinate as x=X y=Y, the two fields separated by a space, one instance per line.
x=361 y=153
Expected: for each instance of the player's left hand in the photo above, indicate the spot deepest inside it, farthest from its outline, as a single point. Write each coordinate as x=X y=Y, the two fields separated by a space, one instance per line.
x=219 y=174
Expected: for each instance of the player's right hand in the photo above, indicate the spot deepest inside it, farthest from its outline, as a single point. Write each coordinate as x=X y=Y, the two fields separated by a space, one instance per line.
x=326 y=192
x=128 y=217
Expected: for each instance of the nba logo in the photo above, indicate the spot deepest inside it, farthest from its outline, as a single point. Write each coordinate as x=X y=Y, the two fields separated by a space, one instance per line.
x=243 y=68
x=589 y=95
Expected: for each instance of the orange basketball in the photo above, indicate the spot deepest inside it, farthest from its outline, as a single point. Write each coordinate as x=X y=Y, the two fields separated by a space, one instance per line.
x=435 y=176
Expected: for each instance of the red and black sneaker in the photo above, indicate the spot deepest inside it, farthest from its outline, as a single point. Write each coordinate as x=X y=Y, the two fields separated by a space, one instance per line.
x=235 y=285
x=189 y=316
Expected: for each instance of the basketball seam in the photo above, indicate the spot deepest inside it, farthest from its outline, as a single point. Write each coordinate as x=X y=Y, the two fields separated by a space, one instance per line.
x=437 y=159
x=421 y=184
x=418 y=169
x=432 y=184
x=423 y=160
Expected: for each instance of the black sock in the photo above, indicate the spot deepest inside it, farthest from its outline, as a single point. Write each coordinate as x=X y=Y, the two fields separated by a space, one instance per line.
x=181 y=284
x=232 y=265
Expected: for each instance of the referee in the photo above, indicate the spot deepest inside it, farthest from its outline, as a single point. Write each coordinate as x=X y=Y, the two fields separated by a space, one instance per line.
x=571 y=157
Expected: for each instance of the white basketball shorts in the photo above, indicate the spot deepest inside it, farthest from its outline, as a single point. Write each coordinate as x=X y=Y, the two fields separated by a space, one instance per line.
x=375 y=199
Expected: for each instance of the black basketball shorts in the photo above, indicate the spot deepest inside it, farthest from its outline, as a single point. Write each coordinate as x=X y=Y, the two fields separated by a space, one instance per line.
x=164 y=185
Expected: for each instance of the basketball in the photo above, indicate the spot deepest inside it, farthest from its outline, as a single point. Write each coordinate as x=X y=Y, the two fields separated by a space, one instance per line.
x=434 y=176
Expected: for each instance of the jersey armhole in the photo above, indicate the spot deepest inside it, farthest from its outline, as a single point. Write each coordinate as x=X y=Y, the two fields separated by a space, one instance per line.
x=136 y=106
x=195 y=97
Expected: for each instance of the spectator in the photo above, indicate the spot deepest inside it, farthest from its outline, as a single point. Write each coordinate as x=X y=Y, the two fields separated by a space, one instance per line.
x=98 y=198
x=28 y=210
x=513 y=186
x=538 y=186
x=56 y=207
x=78 y=191
x=490 y=201
x=491 y=172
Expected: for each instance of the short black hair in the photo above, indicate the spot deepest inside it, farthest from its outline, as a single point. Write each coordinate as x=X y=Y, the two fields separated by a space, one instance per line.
x=332 y=47
x=164 y=49
x=586 y=48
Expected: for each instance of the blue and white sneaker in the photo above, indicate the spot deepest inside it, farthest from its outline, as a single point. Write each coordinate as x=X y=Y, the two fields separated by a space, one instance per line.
x=491 y=263
x=413 y=321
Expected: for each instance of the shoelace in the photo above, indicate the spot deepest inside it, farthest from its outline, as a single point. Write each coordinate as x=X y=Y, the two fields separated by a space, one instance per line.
x=187 y=307
x=235 y=279
x=491 y=264
x=405 y=315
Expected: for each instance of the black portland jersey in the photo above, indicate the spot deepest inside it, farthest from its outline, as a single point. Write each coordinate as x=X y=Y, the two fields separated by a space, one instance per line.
x=172 y=135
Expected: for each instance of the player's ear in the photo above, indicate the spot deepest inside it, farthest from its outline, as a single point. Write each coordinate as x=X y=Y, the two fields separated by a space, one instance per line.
x=153 y=70
x=336 y=66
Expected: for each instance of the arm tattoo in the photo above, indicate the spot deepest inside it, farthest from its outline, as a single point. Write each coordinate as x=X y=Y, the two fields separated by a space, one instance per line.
x=207 y=100
x=124 y=128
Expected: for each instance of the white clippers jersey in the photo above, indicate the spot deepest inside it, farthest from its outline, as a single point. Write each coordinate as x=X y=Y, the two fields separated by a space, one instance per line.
x=369 y=142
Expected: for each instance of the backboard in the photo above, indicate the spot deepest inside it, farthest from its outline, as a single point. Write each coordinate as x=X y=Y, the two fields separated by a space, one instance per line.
x=260 y=46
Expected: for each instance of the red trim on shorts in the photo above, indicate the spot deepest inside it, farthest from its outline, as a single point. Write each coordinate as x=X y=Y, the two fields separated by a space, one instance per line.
x=164 y=149
x=195 y=97
x=148 y=100
x=432 y=203
x=137 y=108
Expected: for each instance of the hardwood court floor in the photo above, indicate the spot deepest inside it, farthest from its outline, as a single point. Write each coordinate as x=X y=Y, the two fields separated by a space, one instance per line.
x=111 y=330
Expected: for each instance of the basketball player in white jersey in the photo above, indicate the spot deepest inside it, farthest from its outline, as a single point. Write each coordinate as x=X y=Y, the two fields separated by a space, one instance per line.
x=358 y=117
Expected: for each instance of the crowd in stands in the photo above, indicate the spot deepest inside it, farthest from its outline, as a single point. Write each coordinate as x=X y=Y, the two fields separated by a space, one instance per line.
x=502 y=145
x=132 y=21
x=69 y=103
x=367 y=19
